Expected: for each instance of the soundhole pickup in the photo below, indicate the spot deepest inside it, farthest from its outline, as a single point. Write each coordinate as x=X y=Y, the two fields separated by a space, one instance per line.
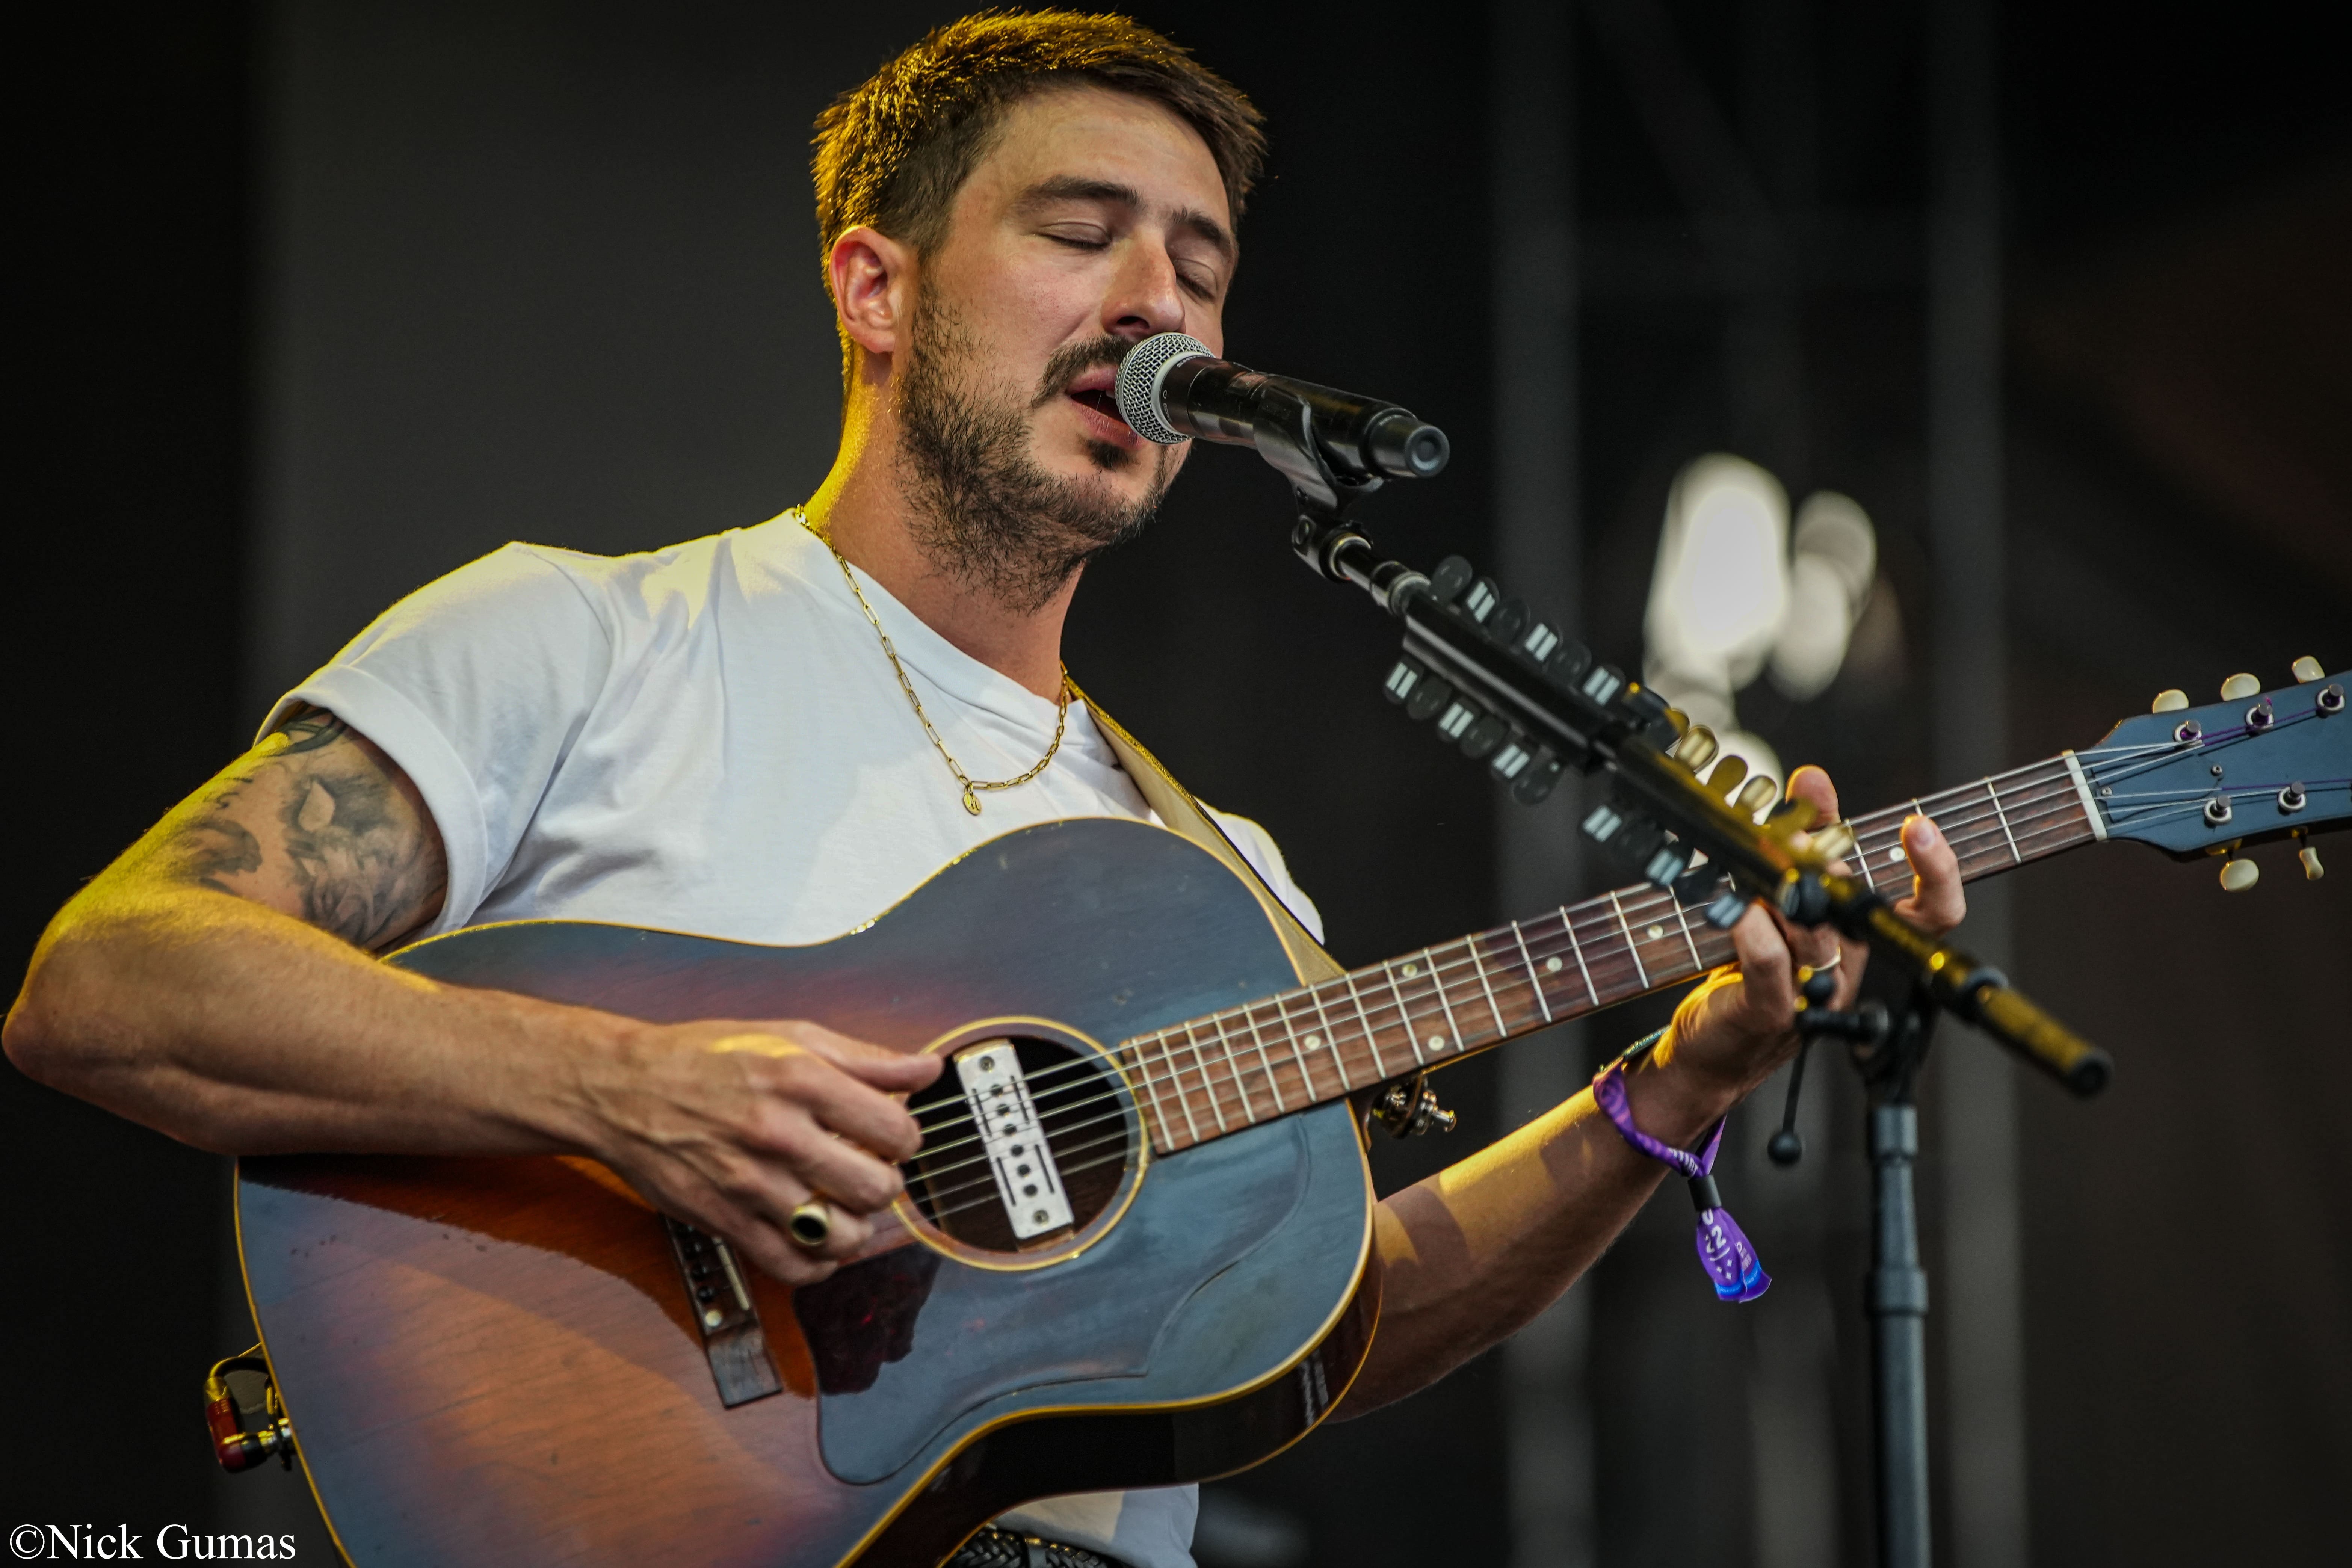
x=1026 y=1141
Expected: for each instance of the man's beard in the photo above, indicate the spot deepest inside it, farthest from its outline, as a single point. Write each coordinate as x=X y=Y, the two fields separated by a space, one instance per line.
x=983 y=510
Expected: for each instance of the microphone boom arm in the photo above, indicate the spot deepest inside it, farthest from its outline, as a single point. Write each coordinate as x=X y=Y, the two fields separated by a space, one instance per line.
x=1606 y=722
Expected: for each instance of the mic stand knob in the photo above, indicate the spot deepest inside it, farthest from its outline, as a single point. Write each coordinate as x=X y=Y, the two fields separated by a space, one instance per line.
x=1867 y=1026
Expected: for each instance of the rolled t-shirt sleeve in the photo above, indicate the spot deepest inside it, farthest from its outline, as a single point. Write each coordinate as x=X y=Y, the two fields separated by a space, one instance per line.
x=475 y=685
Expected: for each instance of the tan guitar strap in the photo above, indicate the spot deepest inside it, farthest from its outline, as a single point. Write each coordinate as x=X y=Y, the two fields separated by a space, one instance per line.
x=1184 y=815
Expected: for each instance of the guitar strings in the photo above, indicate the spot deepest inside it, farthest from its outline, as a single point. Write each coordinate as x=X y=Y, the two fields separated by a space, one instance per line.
x=2009 y=822
x=944 y=1206
x=948 y=1201
x=1404 y=1008
x=1644 y=905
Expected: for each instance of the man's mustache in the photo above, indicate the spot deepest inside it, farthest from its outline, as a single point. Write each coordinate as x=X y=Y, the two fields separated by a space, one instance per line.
x=1074 y=360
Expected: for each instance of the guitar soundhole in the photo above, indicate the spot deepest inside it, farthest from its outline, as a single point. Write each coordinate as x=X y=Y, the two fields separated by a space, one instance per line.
x=1090 y=1130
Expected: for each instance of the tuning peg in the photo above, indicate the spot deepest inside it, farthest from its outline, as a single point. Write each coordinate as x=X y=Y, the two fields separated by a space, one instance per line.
x=2169 y=701
x=2237 y=876
x=2307 y=669
x=1697 y=748
x=1727 y=774
x=2309 y=855
x=1757 y=794
x=2240 y=685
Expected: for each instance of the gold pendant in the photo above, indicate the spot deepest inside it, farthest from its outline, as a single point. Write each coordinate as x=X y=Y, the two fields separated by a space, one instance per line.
x=971 y=800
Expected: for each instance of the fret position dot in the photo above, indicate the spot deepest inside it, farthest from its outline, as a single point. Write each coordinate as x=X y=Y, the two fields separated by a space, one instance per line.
x=1657 y=932
x=1437 y=1042
x=1313 y=1042
x=1412 y=969
x=1894 y=856
x=1552 y=966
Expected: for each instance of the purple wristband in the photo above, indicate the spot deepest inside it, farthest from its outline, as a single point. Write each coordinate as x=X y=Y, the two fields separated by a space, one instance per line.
x=1723 y=1247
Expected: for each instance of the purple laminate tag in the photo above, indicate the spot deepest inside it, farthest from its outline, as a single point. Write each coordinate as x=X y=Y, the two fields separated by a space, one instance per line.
x=1724 y=1249
x=1730 y=1260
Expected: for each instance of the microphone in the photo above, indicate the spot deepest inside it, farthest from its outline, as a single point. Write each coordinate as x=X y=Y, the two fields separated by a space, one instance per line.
x=1171 y=388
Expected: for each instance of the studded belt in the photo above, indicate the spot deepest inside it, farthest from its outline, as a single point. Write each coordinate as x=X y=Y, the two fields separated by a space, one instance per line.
x=994 y=1548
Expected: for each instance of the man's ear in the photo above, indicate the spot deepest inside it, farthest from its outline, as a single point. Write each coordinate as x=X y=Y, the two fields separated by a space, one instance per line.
x=873 y=278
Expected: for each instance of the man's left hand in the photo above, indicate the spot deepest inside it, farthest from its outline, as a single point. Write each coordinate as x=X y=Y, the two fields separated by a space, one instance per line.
x=1731 y=1033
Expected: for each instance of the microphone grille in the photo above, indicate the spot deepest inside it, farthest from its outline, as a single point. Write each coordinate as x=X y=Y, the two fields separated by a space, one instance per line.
x=1140 y=376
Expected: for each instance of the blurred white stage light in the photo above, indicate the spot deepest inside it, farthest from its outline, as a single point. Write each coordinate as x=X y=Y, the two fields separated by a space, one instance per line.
x=1721 y=585
x=1831 y=570
x=1733 y=594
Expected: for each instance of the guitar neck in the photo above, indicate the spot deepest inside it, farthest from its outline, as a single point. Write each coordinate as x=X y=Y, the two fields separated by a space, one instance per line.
x=1233 y=1069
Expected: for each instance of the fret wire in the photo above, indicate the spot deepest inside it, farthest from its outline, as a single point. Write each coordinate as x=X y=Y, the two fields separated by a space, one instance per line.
x=1306 y=1078
x=1993 y=796
x=1575 y=949
x=1216 y=1022
x=1541 y=1000
x=1265 y=1064
x=1371 y=1035
x=1176 y=1076
x=1683 y=921
x=1404 y=1014
x=1444 y=1003
x=1631 y=946
x=1151 y=1084
x=1201 y=1063
x=1331 y=1039
x=1492 y=1006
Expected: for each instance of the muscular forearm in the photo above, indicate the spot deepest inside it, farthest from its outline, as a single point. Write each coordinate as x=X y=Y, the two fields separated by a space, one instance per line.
x=1472 y=1252
x=216 y=983
x=240 y=1029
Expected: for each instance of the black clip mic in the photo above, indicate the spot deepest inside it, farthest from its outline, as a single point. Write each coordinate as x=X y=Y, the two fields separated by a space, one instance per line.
x=1170 y=387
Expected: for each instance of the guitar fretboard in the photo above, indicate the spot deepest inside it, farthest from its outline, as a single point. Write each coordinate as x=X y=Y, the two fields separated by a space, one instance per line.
x=1229 y=1071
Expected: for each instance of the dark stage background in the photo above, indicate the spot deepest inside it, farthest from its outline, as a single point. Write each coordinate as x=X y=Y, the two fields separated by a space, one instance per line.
x=333 y=297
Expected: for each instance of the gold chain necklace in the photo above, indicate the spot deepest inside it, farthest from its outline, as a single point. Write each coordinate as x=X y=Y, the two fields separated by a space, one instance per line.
x=970 y=785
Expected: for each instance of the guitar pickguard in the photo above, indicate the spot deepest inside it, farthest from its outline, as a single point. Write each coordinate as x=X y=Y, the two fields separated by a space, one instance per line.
x=902 y=1344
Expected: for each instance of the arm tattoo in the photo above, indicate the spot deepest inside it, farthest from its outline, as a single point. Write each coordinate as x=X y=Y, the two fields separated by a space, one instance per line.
x=314 y=820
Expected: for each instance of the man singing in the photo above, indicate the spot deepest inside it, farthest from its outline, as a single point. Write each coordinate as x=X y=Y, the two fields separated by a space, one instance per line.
x=773 y=734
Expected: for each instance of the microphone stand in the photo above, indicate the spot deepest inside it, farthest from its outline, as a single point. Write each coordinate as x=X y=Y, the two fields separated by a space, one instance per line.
x=1517 y=678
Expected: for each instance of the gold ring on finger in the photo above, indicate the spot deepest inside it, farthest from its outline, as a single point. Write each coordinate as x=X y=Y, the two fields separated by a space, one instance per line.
x=810 y=1225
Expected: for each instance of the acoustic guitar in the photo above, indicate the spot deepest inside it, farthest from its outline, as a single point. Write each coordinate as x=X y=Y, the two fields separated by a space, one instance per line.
x=1132 y=1250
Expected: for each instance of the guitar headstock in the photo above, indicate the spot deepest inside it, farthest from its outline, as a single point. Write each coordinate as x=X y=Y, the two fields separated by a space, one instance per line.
x=2256 y=766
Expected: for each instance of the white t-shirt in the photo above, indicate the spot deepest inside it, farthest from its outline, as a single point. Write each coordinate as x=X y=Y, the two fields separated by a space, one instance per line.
x=708 y=738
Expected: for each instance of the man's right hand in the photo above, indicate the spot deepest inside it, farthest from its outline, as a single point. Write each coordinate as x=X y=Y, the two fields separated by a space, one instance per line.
x=215 y=984
x=732 y=1125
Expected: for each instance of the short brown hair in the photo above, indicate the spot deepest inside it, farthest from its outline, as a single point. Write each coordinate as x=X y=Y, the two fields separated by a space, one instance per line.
x=893 y=152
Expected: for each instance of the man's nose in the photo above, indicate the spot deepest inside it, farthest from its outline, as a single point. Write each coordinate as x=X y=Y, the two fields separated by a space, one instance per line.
x=1144 y=298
